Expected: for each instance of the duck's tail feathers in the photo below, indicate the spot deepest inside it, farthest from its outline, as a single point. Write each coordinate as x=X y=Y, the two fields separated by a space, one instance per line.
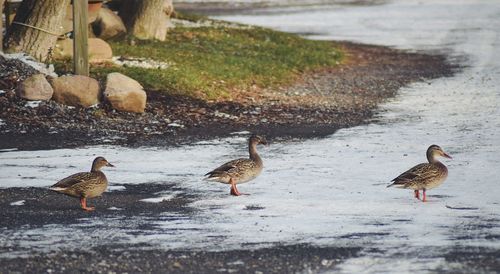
x=398 y=184
x=57 y=189
x=211 y=178
x=213 y=175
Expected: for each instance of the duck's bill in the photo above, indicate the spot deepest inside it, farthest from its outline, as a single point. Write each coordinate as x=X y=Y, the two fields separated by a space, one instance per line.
x=110 y=165
x=446 y=155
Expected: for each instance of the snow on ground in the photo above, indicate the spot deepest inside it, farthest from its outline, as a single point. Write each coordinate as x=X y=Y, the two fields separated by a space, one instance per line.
x=332 y=191
x=40 y=67
x=18 y=203
x=139 y=62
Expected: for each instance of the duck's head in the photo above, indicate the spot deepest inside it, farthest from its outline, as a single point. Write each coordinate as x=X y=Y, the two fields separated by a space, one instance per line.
x=434 y=150
x=257 y=139
x=100 y=162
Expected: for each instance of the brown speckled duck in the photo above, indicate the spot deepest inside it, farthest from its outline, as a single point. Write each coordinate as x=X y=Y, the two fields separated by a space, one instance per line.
x=240 y=170
x=424 y=176
x=85 y=185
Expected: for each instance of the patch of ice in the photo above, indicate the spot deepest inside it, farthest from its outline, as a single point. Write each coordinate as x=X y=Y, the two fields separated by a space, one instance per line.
x=2 y=91
x=115 y=208
x=18 y=203
x=2 y=122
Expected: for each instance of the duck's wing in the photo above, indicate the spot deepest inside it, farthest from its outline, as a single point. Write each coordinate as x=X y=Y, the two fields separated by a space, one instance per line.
x=232 y=167
x=74 y=179
x=417 y=173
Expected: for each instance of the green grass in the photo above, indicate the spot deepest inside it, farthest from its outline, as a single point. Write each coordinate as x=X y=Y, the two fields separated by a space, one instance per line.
x=211 y=62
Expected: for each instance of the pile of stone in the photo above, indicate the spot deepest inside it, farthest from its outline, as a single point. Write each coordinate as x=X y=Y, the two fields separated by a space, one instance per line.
x=122 y=92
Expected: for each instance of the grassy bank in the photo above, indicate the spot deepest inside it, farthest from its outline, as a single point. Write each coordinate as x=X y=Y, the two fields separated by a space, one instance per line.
x=218 y=59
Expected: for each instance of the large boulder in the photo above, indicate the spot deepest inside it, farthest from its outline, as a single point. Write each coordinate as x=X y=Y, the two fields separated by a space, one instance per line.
x=124 y=93
x=108 y=25
x=76 y=90
x=35 y=87
x=99 y=50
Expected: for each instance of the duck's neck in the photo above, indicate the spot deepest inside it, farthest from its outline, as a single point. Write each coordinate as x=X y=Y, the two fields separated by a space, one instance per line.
x=254 y=156
x=431 y=157
x=95 y=168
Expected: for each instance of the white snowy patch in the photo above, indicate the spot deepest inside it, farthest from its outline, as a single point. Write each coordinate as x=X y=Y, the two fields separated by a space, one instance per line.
x=225 y=115
x=115 y=188
x=175 y=125
x=160 y=199
x=206 y=23
x=244 y=132
x=33 y=104
x=18 y=203
x=140 y=62
x=40 y=67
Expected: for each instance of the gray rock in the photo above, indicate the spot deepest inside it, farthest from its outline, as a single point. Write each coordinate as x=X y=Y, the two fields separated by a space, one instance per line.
x=75 y=90
x=124 y=93
x=35 y=87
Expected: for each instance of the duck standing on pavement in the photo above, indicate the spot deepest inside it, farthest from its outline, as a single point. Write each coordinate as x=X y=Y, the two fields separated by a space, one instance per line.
x=85 y=185
x=424 y=176
x=240 y=170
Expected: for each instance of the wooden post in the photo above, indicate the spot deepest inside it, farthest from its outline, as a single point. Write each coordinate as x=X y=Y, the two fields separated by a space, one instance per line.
x=7 y=7
x=80 y=36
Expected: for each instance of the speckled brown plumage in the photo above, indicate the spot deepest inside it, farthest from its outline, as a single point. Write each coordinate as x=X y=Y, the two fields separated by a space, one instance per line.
x=85 y=185
x=424 y=176
x=240 y=170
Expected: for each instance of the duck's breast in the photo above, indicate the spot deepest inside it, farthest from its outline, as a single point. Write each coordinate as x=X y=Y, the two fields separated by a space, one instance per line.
x=441 y=175
x=96 y=187
x=249 y=175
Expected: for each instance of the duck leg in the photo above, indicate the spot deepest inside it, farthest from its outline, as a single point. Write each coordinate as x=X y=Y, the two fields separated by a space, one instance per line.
x=83 y=204
x=234 y=191
x=423 y=196
x=417 y=194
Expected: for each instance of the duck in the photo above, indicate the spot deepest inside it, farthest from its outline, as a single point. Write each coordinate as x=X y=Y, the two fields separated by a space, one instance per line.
x=85 y=185
x=424 y=176
x=240 y=170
